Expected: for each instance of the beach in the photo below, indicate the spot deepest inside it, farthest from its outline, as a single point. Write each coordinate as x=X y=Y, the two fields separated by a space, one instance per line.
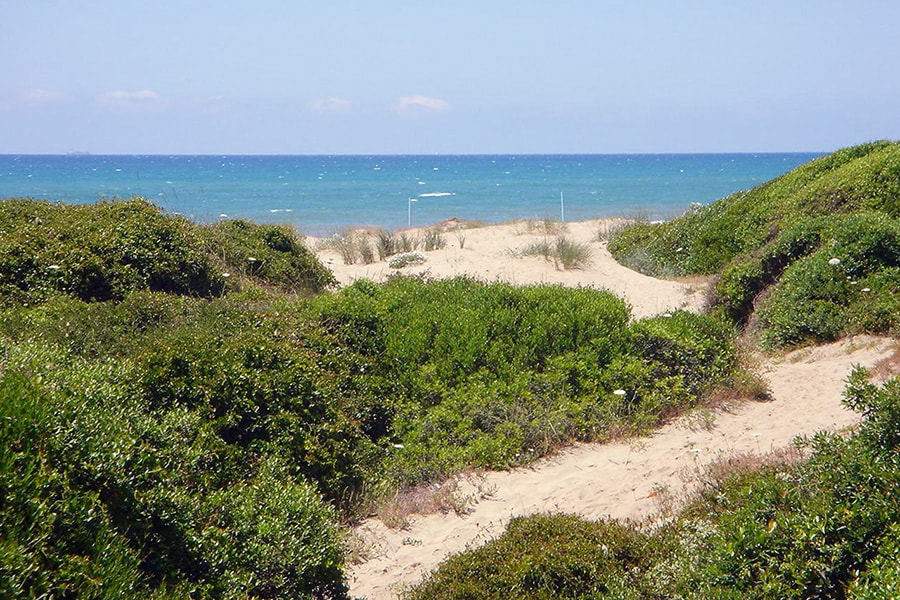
x=495 y=253
x=633 y=479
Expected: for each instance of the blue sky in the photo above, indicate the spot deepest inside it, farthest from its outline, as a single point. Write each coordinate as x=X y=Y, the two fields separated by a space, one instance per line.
x=426 y=76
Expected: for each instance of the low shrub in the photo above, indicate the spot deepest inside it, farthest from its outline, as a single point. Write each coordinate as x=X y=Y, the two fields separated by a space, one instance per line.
x=768 y=246
x=847 y=286
x=99 y=251
x=543 y=557
x=433 y=239
x=271 y=254
x=386 y=244
x=406 y=259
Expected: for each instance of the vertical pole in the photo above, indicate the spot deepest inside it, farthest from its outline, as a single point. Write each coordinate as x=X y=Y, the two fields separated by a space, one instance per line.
x=562 y=209
x=409 y=211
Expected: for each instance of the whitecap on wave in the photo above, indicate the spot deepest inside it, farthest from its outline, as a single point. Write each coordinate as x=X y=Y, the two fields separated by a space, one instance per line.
x=436 y=194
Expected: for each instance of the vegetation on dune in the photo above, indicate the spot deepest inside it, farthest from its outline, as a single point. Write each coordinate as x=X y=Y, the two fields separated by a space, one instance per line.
x=176 y=432
x=103 y=251
x=186 y=415
x=814 y=253
x=98 y=252
x=823 y=528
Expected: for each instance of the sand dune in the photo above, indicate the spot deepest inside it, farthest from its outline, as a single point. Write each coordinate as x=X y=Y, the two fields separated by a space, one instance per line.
x=623 y=480
x=493 y=254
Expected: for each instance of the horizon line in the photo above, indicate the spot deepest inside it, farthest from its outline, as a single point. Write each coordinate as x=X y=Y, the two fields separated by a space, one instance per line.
x=82 y=154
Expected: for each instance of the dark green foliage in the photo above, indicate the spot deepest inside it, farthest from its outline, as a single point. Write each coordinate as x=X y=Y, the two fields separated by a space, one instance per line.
x=55 y=540
x=543 y=557
x=848 y=285
x=691 y=347
x=273 y=254
x=494 y=375
x=106 y=497
x=845 y=206
x=809 y=532
x=104 y=251
x=98 y=251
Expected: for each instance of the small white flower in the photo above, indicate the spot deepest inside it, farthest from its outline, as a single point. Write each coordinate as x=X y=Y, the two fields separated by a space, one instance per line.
x=867 y=289
x=398 y=446
x=226 y=275
x=834 y=261
x=251 y=259
x=619 y=392
x=54 y=267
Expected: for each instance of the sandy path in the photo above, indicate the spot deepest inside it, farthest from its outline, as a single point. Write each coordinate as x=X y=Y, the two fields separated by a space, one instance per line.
x=618 y=480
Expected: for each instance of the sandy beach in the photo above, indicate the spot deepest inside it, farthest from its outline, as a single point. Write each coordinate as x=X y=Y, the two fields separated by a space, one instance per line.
x=631 y=479
x=494 y=253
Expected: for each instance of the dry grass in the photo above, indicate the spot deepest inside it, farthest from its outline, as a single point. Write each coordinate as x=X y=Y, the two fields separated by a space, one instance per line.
x=455 y=495
x=541 y=227
x=887 y=367
x=702 y=480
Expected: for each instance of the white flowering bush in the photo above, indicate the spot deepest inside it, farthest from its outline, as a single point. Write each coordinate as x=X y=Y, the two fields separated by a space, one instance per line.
x=406 y=259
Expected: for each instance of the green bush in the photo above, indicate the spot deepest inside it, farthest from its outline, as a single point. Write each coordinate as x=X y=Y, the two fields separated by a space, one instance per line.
x=272 y=254
x=842 y=206
x=104 y=251
x=98 y=251
x=543 y=557
x=105 y=495
x=847 y=286
x=881 y=579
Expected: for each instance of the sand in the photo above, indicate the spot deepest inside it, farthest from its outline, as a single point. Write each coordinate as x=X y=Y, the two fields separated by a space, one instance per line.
x=493 y=254
x=632 y=479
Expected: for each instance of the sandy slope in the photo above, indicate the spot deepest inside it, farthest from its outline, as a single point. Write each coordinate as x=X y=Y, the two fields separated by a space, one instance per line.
x=618 y=480
x=490 y=254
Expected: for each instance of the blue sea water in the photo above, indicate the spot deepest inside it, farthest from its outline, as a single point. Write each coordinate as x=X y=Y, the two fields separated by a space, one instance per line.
x=323 y=194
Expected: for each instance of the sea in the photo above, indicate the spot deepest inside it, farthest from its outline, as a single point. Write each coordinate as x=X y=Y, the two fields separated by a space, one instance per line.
x=322 y=195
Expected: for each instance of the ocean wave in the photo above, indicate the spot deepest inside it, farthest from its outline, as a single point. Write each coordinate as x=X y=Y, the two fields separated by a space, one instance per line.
x=436 y=194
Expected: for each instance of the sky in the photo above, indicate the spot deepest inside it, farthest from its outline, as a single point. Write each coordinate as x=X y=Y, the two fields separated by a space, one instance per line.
x=461 y=77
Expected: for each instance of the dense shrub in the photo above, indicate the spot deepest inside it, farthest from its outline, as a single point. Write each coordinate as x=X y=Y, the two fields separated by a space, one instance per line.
x=105 y=496
x=99 y=251
x=462 y=373
x=865 y=177
x=848 y=285
x=543 y=557
x=273 y=254
x=106 y=250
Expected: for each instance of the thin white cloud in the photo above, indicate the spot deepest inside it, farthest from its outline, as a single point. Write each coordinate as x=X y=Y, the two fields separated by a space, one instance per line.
x=416 y=105
x=330 y=105
x=140 y=100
